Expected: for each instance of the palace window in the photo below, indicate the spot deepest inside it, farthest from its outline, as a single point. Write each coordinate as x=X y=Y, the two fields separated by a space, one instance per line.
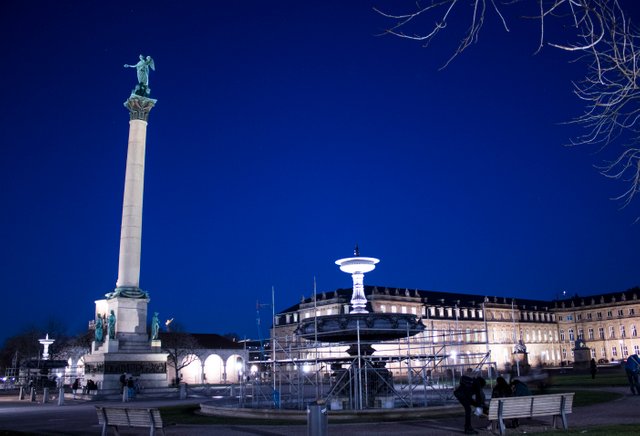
x=404 y=309
x=579 y=316
x=591 y=334
x=620 y=312
x=632 y=311
x=614 y=351
x=599 y=315
x=636 y=349
x=612 y=332
x=383 y=308
x=571 y=335
x=580 y=334
x=623 y=333
x=609 y=314
x=603 y=352
x=593 y=353
x=601 y=332
x=625 y=352
x=569 y=317
x=564 y=353
x=634 y=332
x=589 y=315
x=394 y=309
x=562 y=335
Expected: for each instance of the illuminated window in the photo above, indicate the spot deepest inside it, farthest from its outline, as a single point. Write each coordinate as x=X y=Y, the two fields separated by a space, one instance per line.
x=394 y=309
x=612 y=332
x=383 y=308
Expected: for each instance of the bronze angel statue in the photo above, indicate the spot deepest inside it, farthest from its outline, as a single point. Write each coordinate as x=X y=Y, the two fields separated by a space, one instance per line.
x=142 y=70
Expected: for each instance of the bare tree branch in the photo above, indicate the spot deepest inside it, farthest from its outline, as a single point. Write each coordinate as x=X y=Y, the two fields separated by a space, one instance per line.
x=605 y=40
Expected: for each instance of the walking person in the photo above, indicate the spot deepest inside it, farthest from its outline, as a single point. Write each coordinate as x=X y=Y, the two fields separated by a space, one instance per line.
x=470 y=394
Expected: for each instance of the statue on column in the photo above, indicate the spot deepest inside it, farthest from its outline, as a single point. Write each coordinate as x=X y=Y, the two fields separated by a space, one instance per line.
x=155 y=326
x=112 y=325
x=99 y=329
x=142 y=70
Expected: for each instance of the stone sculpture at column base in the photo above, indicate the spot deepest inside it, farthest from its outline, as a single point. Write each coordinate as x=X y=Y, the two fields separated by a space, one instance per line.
x=131 y=351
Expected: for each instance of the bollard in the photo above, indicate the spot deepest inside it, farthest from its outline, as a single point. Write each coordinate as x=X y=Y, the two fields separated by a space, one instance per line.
x=183 y=391
x=32 y=395
x=60 y=396
x=45 y=395
x=125 y=394
x=317 y=420
x=21 y=394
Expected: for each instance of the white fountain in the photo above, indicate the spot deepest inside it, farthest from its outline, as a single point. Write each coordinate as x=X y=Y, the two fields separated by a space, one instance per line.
x=46 y=342
x=357 y=266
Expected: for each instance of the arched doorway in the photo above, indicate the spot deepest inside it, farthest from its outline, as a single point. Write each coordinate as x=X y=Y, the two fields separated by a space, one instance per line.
x=192 y=372
x=214 y=369
x=235 y=368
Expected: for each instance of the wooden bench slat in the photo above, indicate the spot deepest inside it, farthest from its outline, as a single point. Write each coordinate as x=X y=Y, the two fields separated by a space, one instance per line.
x=556 y=405
x=130 y=417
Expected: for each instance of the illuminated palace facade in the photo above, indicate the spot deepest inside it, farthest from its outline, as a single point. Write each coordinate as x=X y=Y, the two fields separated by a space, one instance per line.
x=462 y=325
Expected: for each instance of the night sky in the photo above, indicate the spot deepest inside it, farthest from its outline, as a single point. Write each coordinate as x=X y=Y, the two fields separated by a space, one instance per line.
x=285 y=132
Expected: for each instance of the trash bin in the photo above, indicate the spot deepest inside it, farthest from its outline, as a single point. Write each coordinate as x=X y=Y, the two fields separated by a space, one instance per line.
x=317 y=419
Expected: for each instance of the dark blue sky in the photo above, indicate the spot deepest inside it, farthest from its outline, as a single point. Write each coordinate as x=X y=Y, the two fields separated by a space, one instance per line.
x=284 y=133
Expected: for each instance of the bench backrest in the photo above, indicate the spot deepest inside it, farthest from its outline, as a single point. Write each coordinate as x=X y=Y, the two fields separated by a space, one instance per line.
x=129 y=417
x=530 y=406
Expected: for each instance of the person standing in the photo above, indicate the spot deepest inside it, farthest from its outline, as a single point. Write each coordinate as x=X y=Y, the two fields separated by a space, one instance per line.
x=632 y=369
x=75 y=386
x=131 y=388
x=470 y=394
x=123 y=382
x=593 y=368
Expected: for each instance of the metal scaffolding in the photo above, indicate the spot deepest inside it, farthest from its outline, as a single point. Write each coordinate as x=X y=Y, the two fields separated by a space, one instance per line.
x=413 y=371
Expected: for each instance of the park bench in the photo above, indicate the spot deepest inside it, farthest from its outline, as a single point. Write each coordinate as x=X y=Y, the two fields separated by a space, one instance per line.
x=129 y=417
x=556 y=405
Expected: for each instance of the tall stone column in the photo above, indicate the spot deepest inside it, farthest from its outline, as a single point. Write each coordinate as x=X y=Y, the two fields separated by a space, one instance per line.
x=128 y=284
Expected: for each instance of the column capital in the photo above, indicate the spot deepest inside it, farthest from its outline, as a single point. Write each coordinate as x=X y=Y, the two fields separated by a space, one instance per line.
x=139 y=107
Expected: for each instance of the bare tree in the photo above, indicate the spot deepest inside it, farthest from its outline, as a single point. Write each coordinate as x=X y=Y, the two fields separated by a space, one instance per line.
x=600 y=34
x=181 y=348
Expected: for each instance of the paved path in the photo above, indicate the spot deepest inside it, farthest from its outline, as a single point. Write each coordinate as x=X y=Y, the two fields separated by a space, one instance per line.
x=79 y=418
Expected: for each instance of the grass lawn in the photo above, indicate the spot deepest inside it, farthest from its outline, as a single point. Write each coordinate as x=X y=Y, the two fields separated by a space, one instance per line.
x=604 y=378
x=602 y=430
